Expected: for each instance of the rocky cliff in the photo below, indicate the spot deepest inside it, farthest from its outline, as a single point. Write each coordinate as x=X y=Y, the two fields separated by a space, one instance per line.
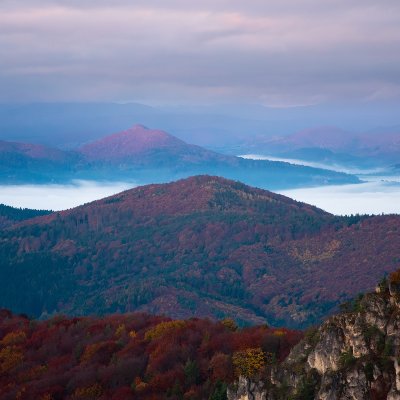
x=353 y=355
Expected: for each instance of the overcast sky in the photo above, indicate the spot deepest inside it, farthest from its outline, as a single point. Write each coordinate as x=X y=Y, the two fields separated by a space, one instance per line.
x=275 y=52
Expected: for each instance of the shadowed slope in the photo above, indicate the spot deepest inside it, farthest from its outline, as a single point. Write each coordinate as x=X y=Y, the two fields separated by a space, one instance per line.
x=11 y=215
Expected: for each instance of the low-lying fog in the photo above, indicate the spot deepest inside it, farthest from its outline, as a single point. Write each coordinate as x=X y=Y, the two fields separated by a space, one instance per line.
x=314 y=164
x=381 y=194
x=58 y=197
x=365 y=198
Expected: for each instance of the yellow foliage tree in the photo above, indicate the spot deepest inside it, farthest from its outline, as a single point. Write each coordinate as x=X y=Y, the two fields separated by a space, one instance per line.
x=249 y=362
x=230 y=324
x=90 y=351
x=89 y=392
x=120 y=331
x=10 y=357
x=12 y=338
x=162 y=328
x=132 y=334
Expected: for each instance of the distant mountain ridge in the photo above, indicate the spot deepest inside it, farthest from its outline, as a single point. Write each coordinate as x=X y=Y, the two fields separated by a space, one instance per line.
x=33 y=163
x=343 y=141
x=203 y=246
x=34 y=151
x=144 y=155
x=379 y=146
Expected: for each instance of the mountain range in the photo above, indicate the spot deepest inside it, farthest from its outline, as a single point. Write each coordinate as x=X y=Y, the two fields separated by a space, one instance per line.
x=69 y=125
x=332 y=145
x=146 y=156
x=202 y=246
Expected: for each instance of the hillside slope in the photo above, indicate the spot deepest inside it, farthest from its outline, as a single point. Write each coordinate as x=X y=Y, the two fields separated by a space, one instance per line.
x=203 y=246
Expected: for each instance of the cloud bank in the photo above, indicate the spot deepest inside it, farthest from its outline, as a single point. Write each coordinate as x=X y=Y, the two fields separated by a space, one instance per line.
x=367 y=198
x=278 y=53
x=58 y=197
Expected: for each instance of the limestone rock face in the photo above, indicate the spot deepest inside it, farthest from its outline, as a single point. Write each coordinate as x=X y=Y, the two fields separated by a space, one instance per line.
x=354 y=355
x=326 y=354
x=247 y=390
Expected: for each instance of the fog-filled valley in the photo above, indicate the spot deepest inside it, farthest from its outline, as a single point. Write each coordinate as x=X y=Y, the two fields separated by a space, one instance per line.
x=380 y=194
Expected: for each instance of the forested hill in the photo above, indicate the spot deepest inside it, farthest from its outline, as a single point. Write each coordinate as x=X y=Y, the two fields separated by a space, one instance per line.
x=10 y=215
x=203 y=246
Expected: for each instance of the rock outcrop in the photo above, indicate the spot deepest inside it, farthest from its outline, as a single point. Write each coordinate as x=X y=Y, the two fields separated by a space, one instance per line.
x=353 y=355
x=245 y=389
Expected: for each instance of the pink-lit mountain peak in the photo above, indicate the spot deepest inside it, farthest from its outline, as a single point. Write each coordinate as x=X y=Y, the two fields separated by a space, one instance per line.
x=135 y=140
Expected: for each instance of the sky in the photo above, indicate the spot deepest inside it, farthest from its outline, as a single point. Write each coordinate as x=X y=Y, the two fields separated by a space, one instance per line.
x=278 y=53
